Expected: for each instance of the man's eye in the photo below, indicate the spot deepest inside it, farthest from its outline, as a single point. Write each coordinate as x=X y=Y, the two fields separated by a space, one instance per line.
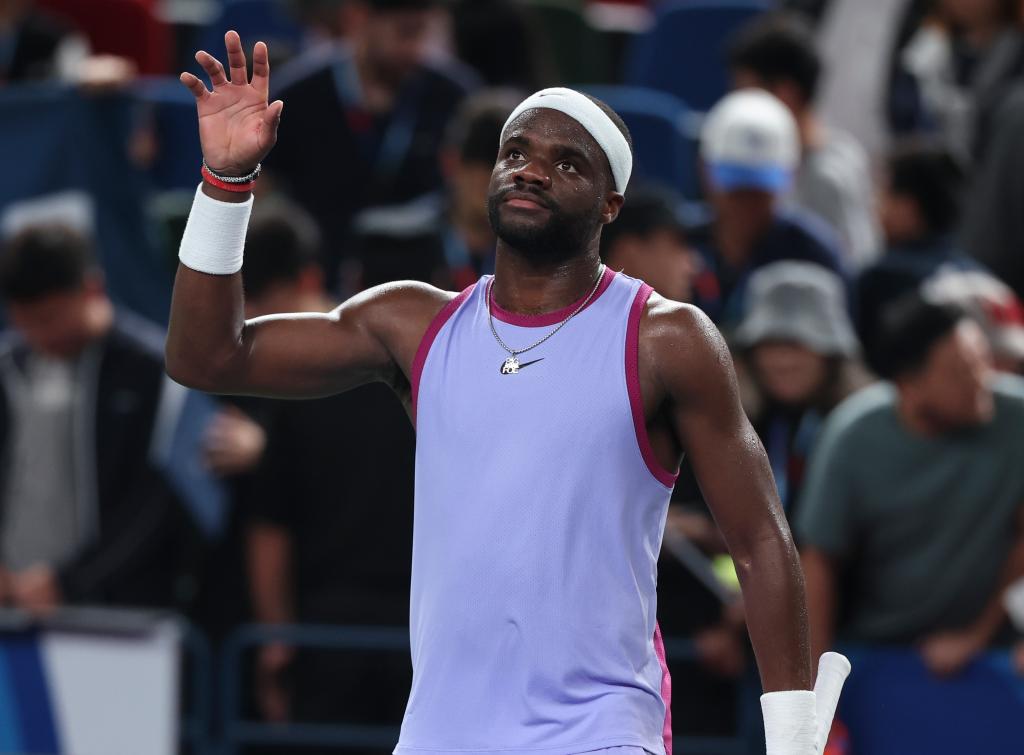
x=567 y=166
x=515 y=154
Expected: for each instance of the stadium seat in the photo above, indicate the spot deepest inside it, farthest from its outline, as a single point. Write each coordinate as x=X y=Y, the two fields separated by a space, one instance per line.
x=127 y=28
x=254 y=20
x=684 y=51
x=663 y=135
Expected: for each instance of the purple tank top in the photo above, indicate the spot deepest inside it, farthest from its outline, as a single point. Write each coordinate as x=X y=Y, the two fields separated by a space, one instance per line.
x=539 y=515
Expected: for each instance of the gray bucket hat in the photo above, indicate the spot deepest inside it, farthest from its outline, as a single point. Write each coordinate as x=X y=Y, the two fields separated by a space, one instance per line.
x=801 y=302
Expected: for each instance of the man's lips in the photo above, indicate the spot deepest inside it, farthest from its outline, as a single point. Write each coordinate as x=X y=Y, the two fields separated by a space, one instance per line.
x=524 y=200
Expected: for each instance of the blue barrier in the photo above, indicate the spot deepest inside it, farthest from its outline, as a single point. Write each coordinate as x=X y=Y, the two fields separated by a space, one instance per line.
x=893 y=705
x=238 y=732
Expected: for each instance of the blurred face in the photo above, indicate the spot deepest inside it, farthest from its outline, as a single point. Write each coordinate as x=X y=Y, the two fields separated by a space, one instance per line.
x=901 y=220
x=952 y=390
x=789 y=373
x=662 y=259
x=469 y=182
x=787 y=93
x=61 y=324
x=550 y=189
x=745 y=209
x=395 y=42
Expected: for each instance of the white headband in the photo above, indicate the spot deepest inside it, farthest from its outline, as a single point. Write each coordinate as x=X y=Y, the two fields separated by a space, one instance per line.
x=592 y=118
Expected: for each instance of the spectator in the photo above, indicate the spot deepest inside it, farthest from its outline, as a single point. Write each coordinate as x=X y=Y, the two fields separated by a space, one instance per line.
x=750 y=150
x=920 y=210
x=647 y=241
x=955 y=68
x=798 y=344
x=777 y=53
x=34 y=46
x=902 y=471
x=84 y=514
x=991 y=304
x=485 y=30
x=993 y=229
x=377 y=109
x=330 y=513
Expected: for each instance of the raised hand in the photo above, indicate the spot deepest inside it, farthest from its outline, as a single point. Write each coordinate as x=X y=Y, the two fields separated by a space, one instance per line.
x=237 y=127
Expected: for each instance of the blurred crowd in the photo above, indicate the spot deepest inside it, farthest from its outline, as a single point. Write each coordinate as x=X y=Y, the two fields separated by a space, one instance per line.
x=846 y=203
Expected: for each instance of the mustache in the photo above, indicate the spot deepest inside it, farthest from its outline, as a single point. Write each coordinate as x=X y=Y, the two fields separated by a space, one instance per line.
x=530 y=193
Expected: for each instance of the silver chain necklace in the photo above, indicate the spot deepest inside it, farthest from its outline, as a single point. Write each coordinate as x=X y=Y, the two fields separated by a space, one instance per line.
x=511 y=365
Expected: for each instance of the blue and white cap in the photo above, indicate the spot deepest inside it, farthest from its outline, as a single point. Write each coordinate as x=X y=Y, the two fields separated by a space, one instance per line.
x=749 y=141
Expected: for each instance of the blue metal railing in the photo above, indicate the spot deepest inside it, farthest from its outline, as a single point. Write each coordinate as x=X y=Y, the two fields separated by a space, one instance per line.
x=238 y=731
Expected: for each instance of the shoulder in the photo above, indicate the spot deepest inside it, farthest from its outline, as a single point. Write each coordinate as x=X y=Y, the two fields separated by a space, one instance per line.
x=673 y=323
x=399 y=311
x=863 y=415
x=450 y=75
x=685 y=348
x=806 y=236
x=311 y=69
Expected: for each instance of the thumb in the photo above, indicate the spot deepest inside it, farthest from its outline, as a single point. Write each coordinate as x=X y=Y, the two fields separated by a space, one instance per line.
x=272 y=118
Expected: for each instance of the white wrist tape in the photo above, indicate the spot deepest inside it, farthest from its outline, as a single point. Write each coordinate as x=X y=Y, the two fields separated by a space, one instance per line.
x=214 y=236
x=790 y=722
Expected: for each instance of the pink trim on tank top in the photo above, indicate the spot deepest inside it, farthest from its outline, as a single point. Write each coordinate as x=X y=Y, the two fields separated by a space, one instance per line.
x=636 y=402
x=666 y=687
x=428 y=339
x=549 y=318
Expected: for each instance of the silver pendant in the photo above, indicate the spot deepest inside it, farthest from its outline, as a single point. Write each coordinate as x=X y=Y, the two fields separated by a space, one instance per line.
x=510 y=366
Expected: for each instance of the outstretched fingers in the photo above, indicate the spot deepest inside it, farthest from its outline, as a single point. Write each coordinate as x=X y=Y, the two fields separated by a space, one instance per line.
x=194 y=85
x=212 y=67
x=261 y=68
x=236 y=58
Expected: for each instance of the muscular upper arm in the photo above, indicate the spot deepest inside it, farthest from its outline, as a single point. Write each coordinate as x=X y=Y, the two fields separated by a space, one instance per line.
x=691 y=372
x=372 y=336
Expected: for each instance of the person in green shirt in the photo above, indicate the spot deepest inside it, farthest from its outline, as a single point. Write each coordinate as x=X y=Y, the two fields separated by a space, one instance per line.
x=912 y=512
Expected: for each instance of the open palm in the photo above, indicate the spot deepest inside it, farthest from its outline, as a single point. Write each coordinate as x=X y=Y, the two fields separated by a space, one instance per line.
x=237 y=127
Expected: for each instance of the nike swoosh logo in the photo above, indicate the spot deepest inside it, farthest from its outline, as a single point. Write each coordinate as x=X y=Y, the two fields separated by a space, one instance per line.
x=526 y=364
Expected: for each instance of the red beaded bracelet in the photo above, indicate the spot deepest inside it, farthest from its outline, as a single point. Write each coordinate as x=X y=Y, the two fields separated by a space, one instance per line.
x=214 y=181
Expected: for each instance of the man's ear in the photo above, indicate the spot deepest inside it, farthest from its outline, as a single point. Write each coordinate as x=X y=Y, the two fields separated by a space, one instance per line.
x=612 y=204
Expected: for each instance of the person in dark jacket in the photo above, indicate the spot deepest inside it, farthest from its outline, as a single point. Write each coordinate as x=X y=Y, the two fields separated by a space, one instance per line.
x=86 y=515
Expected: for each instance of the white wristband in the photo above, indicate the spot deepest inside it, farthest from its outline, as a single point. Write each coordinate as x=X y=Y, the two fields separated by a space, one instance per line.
x=790 y=722
x=214 y=236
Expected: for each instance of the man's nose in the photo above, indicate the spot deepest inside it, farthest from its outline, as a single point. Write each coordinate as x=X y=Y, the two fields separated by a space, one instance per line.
x=533 y=173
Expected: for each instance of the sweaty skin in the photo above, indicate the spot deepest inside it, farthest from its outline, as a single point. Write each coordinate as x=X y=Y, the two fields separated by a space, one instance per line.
x=548 y=166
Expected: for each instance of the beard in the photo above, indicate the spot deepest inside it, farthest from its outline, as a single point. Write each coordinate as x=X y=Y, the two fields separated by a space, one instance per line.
x=562 y=236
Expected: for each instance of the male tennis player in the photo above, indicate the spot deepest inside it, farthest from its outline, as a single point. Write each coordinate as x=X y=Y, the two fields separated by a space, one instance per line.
x=553 y=402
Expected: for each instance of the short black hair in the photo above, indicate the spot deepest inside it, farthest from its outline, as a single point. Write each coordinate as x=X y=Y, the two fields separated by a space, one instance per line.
x=42 y=260
x=933 y=178
x=475 y=131
x=778 y=47
x=649 y=209
x=910 y=329
x=282 y=241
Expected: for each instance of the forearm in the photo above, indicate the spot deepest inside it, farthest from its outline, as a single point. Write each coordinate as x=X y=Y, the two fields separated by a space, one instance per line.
x=207 y=310
x=994 y=614
x=270 y=574
x=774 y=600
